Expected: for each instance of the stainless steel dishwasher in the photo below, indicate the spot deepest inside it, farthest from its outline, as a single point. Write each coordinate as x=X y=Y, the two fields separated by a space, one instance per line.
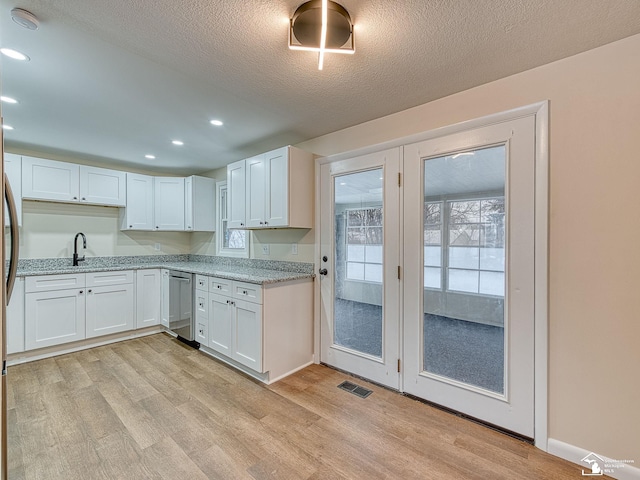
x=181 y=317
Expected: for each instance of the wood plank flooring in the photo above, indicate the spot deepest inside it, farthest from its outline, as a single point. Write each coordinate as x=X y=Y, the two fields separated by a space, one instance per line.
x=151 y=408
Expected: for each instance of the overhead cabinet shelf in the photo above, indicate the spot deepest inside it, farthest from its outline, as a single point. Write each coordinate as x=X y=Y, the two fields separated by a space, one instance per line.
x=169 y=204
x=271 y=190
x=55 y=181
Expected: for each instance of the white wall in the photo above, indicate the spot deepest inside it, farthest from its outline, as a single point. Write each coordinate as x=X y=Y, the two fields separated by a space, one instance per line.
x=48 y=230
x=594 y=304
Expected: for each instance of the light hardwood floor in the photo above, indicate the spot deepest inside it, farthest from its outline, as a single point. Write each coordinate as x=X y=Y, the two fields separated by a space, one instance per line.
x=153 y=408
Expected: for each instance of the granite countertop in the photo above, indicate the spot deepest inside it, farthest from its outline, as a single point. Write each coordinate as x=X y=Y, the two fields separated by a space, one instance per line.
x=245 y=270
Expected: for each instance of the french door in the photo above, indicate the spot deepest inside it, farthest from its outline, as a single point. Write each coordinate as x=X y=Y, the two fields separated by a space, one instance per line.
x=469 y=301
x=461 y=227
x=360 y=243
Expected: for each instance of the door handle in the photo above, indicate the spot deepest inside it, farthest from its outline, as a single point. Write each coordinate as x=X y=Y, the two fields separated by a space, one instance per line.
x=15 y=240
x=323 y=271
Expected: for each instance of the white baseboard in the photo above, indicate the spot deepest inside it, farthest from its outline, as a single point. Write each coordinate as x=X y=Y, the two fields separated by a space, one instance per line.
x=576 y=454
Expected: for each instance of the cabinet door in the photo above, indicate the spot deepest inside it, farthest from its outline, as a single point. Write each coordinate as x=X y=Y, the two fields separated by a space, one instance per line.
x=13 y=169
x=50 y=180
x=148 y=289
x=53 y=318
x=247 y=333
x=15 y=318
x=102 y=186
x=236 y=188
x=109 y=309
x=188 y=204
x=164 y=304
x=138 y=215
x=277 y=188
x=202 y=213
x=168 y=193
x=255 y=195
x=221 y=311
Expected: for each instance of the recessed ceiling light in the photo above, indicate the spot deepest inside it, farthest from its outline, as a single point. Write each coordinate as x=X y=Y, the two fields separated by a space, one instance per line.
x=149 y=156
x=7 y=127
x=177 y=142
x=217 y=123
x=14 y=54
x=8 y=99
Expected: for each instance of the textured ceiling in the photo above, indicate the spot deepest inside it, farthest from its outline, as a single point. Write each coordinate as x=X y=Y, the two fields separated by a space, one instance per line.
x=117 y=79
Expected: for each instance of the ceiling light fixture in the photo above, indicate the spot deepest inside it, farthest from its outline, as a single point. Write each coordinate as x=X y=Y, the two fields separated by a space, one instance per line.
x=177 y=142
x=321 y=26
x=7 y=127
x=25 y=18
x=149 y=156
x=217 y=123
x=8 y=99
x=14 y=54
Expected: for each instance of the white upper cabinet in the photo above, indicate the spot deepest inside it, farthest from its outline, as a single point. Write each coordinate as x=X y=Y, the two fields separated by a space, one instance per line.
x=199 y=204
x=236 y=188
x=50 y=180
x=279 y=188
x=138 y=215
x=255 y=194
x=168 y=208
x=102 y=186
x=67 y=182
x=13 y=169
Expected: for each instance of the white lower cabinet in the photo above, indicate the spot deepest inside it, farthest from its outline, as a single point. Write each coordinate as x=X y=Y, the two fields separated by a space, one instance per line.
x=247 y=333
x=15 y=318
x=53 y=317
x=109 y=303
x=66 y=308
x=265 y=328
x=221 y=313
x=148 y=301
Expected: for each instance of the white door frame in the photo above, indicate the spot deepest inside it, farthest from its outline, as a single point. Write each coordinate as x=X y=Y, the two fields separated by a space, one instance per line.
x=541 y=113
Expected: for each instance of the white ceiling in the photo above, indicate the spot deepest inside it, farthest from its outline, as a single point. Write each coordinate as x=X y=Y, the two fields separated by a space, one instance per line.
x=118 y=79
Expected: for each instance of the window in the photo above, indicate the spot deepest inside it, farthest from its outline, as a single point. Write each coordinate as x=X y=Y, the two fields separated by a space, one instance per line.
x=433 y=245
x=476 y=246
x=364 y=244
x=229 y=243
x=473 y=232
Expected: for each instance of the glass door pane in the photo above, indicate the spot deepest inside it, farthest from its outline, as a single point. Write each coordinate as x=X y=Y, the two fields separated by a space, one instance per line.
x=358 y=288
x=464 y=267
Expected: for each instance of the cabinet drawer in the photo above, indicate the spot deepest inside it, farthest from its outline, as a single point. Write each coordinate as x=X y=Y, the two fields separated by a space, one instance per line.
x=202 y=283
x=96 y=279
x=46 y=283
x=247 y=291
x=219 y=285
x=202 y=303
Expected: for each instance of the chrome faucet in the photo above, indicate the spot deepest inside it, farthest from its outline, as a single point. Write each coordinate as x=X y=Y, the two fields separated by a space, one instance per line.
x=77 y=259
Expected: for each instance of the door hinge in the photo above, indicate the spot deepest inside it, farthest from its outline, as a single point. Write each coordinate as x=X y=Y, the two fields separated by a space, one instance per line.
x=399 y=179
x=398 y=365
x=398 y=272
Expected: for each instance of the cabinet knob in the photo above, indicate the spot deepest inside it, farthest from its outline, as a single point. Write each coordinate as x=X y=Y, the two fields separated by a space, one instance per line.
x=130 y=226
x=227 y=302
x=83 y=198
x=266 y=223
x=89 y=290
x=75 y=198
x=81 y=291
x=157 y=227
x=242 y=224
x=261 y=223
x=244 y=292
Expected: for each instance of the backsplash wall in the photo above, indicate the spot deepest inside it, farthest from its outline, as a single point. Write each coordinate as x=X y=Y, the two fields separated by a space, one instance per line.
x=48 y=230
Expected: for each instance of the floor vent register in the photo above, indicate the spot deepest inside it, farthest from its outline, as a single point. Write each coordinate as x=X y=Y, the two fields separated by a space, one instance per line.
x=355 y=389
